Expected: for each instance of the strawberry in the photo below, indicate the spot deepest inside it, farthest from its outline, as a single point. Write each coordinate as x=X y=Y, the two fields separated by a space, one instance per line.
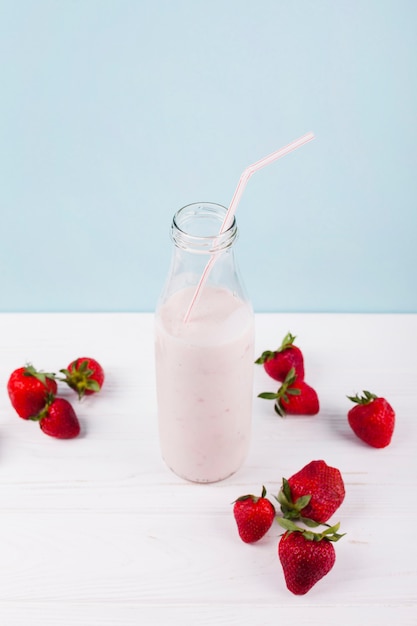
x=306 y=557
x=29 y=390
x=59 y=420
x=278 y=363
x=372 y=419
x=254 y=516
x=85 y=375
x=294 y=397
x=314 y=493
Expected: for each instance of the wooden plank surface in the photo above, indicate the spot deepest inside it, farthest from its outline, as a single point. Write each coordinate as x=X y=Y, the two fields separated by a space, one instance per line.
x=98 y=531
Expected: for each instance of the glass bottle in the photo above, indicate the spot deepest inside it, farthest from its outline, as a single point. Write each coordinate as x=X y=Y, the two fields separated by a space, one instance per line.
x=204 y=362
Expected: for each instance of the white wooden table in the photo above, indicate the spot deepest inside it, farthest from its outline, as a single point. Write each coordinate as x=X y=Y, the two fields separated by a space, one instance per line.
x=97 y=530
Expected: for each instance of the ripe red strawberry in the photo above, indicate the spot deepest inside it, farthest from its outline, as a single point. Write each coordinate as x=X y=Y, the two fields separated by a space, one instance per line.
x=306 y=557
x=29 y=390
x=315 y=493
x=59 y=420
x=85 y=375
x=278 y=363
x=372 y=419
x=254 y=516
x=294 y=397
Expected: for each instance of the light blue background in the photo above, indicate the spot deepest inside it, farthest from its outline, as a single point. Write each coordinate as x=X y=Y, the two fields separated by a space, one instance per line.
x=115 y=113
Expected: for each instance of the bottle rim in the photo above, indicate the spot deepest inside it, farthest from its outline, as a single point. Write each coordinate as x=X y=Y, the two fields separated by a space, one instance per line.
x=196 y=228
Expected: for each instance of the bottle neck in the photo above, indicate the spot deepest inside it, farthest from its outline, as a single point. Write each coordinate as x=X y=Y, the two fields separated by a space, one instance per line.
x=196 y=228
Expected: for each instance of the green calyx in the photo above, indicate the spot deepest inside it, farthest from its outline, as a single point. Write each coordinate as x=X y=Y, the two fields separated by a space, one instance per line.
x=265 y=356
x=283 y=392
x=79 y=378
x=252 y=497
x=49 y=398
x=328 y=534
x=367 y=398
x=287 y=342
x=39 y=375
x=292 y=510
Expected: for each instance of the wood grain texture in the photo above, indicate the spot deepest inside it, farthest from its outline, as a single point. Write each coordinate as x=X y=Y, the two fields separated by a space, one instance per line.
x=98 y=531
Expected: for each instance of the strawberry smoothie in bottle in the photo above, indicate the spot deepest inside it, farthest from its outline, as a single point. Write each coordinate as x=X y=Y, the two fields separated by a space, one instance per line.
x=204 y=364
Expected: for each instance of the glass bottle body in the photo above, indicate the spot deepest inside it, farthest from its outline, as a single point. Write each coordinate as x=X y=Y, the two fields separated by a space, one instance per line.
x=204 y=364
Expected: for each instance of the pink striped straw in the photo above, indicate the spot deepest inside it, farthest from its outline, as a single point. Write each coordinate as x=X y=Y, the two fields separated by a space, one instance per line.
x=228 y=218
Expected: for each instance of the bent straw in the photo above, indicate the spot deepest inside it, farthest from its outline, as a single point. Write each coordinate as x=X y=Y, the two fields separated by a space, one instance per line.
x=247 y=173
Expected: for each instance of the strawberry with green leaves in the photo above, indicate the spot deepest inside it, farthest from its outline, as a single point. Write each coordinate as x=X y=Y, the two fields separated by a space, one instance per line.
x=84 y=375
x=372 y=419
x=58 y=419
x=29 y=390
x=306 y=557
x=254 y=516
x=312 y=494
x=294 y=397
x=279 y=362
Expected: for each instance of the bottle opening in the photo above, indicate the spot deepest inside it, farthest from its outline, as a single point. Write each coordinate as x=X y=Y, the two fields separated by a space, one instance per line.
x=196 y=227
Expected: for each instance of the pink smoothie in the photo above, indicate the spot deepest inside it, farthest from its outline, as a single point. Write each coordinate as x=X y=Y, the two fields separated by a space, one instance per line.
x=204 y=372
